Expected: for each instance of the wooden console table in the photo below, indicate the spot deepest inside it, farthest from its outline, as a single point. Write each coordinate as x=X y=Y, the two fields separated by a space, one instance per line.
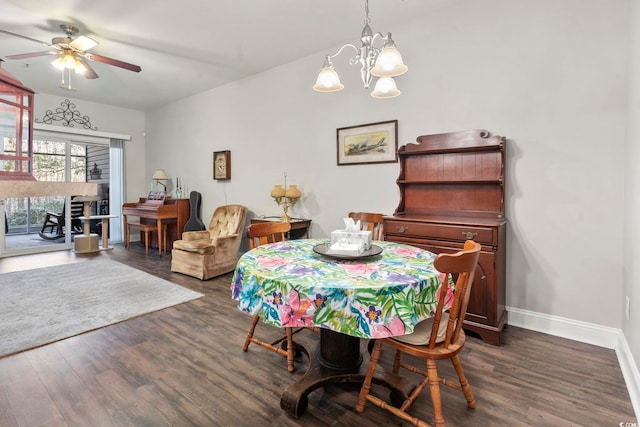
x=300 y=227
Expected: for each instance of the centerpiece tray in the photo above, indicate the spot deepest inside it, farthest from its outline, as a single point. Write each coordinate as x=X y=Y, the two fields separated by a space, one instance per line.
x=323 y=249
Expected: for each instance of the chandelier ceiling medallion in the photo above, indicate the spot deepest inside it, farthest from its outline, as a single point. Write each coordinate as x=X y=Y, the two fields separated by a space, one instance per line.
x=385 y=63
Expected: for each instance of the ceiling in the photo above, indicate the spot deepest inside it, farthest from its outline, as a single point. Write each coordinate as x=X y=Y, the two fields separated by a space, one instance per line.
x=188 y=46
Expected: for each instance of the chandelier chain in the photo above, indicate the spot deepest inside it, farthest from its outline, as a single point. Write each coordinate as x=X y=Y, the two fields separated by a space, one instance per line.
x=366 y=12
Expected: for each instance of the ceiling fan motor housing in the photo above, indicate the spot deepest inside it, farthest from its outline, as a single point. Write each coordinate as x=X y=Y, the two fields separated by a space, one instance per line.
x=61 y=40
x=69 y=30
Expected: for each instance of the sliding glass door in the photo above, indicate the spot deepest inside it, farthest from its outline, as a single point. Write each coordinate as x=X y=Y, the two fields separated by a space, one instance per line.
x=30 y=222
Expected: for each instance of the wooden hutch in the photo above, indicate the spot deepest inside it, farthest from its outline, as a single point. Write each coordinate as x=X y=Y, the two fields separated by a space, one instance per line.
x=452 y=189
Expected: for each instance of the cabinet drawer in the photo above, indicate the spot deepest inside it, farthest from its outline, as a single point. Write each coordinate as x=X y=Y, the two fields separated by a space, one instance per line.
x=482 y=235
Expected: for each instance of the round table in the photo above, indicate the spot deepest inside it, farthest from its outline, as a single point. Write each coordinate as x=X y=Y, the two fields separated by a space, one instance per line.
x=288 y=284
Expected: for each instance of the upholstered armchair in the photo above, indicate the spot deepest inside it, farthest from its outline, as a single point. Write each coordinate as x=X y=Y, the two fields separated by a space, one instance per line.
x=214 y=251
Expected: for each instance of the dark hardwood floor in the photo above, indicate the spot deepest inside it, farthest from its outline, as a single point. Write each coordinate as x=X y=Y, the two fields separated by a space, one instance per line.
x=184 y=366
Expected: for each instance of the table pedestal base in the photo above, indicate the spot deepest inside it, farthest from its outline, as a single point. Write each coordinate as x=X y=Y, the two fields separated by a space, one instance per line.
x=337 y=360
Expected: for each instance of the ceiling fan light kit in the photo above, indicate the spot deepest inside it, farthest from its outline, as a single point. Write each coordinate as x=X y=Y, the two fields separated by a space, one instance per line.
x=72 y=54
x=385 y=63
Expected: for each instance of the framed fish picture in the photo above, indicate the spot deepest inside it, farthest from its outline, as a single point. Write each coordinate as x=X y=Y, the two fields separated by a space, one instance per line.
x=370 y=143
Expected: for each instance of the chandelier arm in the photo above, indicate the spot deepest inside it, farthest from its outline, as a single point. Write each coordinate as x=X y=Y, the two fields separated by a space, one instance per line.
x=385 y=37
x=339 y=51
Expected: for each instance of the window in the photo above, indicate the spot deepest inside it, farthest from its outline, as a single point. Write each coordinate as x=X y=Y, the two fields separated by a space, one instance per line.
x=56 y=158
x=50 y=161
x=16 y=127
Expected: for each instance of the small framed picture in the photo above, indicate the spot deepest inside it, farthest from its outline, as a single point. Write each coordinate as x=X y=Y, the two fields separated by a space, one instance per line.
x=370 y=143
x=222 y=164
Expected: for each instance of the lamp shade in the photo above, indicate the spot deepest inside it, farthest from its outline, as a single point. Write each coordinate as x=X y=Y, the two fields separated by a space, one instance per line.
x=385 y=88
x=277 y=191
x=80 y=68
x=160 y=174
x=58 y=63
x=293 y=192
x=69 y=60
x=328 y=80
x=389 y=63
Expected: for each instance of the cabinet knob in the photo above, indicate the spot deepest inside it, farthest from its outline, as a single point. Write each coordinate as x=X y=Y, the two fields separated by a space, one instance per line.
x=469 y=235
x=401 y=229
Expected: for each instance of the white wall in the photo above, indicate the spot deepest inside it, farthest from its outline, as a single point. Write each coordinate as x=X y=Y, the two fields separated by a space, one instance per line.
x=113 y=120
x=548 y=78
x=631 y=275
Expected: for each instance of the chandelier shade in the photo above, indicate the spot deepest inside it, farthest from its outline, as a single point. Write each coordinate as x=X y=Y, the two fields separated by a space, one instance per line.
x=383 y=63
x=385 y=88
x=328 y=80
x=389 y=63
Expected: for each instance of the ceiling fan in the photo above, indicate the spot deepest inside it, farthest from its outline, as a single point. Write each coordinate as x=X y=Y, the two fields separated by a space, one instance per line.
x=72 y=53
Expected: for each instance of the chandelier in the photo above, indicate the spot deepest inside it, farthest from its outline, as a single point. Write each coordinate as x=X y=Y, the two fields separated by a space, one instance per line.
x=385 y=63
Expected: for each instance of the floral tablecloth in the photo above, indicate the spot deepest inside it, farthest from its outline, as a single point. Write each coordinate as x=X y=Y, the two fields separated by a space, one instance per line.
x=288 y=284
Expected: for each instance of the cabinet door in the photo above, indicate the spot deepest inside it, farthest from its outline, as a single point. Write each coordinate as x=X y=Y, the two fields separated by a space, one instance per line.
x=483 y=292
x=481 y=299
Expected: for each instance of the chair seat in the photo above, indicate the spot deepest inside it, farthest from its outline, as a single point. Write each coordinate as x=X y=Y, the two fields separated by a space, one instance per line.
x=422 y=332
x=200 y=246
x=438 y=352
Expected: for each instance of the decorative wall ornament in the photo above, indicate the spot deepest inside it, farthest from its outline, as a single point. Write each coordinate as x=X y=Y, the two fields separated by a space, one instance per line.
x=68 y=115
x=95 y=173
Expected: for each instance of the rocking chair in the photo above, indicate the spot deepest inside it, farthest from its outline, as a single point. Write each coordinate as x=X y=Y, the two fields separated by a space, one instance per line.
x=55 y=222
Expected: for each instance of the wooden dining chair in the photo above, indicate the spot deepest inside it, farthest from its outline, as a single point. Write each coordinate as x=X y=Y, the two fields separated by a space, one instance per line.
x=370 y=221
x=260 y=234
x=438 y=338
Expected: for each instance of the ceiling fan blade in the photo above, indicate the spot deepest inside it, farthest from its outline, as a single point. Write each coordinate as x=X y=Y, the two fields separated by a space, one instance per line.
x=30 y=55
x=90 y=72
x=24 y=37
x=83 y=43
x=111 y=61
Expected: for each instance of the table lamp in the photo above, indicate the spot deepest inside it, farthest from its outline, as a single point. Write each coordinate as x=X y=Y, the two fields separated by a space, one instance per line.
x=286 y=197
x=160 y=175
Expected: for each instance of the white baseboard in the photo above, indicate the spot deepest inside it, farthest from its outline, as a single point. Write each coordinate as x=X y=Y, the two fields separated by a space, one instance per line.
x=562 y=327
x=630 y=373
x=588 y=333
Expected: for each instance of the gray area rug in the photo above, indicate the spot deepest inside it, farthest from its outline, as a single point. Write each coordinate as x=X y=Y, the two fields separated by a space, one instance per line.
x=48 y=304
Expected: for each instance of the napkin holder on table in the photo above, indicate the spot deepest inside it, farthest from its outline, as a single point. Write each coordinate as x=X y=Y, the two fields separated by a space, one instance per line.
x=351 y=240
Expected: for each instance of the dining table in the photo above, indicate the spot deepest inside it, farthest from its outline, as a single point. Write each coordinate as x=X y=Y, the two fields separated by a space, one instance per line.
x=381 y=293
